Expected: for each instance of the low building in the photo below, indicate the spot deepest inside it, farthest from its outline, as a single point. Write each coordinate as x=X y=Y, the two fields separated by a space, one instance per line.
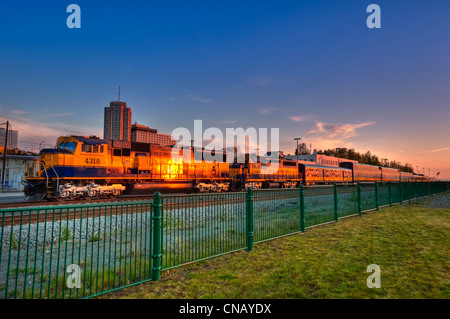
x=145 y=134
x=16 y=169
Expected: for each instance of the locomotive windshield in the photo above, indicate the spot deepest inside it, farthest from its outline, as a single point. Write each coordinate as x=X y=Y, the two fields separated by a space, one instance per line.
x=71 y=146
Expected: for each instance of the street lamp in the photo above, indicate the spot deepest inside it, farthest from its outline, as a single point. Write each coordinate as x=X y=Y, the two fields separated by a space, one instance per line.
x=437 y=175
x=297 y=139
x=40 y=145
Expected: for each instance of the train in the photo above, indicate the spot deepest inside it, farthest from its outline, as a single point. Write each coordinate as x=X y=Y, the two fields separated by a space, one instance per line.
x=87 y=166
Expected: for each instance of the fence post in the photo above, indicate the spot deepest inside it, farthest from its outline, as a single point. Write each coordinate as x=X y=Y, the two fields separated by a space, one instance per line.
x=302 y=208
x=376 y=196
x=409 y=191
x=390 y=194
x=400 y=191
x=358 y=193
x=156 y=255
x=336 y=216
x=416 y=191
x=249 y=218
x=420 y=187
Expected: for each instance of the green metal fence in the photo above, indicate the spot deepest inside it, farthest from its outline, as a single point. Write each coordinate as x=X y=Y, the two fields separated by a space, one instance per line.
x=275 y=213
x=111 y=243
x=201 y=226
x=80 y=251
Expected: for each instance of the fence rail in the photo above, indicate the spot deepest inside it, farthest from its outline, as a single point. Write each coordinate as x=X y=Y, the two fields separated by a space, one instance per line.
x=80 y=251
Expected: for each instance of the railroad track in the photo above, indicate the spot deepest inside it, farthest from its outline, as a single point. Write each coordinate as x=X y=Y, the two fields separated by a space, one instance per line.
x=52 y=211
x=42 y=212
x=55 y=214
x=45 y=211
x=63 y=202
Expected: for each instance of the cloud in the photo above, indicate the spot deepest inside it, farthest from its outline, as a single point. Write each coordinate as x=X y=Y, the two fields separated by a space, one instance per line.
x=198 y=99
x=33 y=128
x=62 y=114
x=300 y=118
x=170 y=98
x=42 y=110
x=441 y=149
x=268 y=111
x=340 y=131
x=21 y=112
x=224 y=122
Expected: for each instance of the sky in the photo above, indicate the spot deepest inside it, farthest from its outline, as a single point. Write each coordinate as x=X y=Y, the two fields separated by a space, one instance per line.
x=313 y=69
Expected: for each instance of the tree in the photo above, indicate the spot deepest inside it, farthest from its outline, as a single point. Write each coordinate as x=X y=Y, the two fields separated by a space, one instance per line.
x=302 y=149
x=366 y=158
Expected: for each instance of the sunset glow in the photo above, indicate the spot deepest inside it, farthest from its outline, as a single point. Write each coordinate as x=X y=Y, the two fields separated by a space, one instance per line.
x=312 y=69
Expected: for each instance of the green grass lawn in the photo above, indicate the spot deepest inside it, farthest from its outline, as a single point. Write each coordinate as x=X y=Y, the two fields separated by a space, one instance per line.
x=410 y=243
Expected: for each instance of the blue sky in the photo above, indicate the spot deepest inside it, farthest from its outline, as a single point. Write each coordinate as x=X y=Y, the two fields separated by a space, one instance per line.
x=311 y=68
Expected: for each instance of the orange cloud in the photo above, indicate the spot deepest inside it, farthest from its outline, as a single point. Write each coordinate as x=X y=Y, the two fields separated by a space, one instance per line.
x=340 y=131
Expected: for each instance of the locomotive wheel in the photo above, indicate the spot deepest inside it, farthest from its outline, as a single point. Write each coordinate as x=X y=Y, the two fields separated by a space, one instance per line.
x=65 y=194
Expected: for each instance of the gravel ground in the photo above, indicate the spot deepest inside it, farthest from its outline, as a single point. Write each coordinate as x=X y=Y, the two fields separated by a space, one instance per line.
x=438 y=201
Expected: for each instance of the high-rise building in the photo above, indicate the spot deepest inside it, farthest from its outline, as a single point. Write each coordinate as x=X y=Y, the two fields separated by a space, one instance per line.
x=145 y=134
x=12 y=138
x=117 y=122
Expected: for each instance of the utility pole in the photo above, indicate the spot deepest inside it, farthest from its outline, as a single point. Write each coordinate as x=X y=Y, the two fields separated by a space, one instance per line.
x=297 y=139
x=4 y=155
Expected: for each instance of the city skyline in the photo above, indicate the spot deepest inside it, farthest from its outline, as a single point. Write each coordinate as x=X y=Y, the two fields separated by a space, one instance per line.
x=313 y=70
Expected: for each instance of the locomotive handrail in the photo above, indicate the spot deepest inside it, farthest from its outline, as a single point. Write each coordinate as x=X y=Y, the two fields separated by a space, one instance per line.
x=57 y=176
x=45 y=171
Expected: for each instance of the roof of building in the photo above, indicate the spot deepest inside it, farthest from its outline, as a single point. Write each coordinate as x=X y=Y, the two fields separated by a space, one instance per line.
x=14 y=156
x=141 y=127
